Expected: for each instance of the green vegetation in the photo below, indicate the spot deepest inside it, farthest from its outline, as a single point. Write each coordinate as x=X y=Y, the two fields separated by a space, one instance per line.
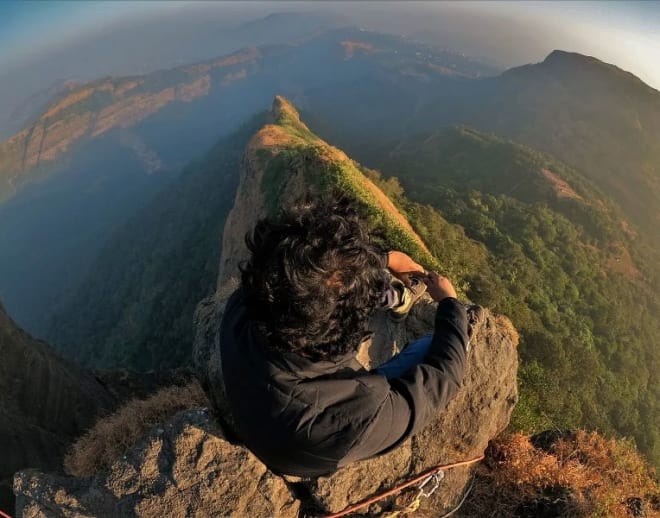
x=557 y=267
x=593 y=116
x=286 y=117
x=347 y=178
x=135 y=307
x=547 y=249
x=322 y=174
x=322 y=170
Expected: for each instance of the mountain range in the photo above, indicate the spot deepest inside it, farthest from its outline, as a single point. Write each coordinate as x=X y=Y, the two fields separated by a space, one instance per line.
x=537 y=190
x=99 y=152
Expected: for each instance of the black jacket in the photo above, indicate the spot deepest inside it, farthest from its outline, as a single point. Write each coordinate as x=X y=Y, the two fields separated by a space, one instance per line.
x=310 y=418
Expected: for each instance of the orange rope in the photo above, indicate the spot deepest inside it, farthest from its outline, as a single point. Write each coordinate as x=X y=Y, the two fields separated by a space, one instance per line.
x=401 y=487
x=4 y=515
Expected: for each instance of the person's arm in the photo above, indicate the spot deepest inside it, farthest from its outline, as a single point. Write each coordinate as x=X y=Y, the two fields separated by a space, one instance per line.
x=426 y=389
x=429 y=387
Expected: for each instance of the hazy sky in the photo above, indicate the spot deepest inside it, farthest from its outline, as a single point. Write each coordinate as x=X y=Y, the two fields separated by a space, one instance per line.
x=626 y=34
x=45 y=41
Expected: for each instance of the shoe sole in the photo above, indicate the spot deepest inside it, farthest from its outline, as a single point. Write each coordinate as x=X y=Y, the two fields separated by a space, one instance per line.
x=410 y=298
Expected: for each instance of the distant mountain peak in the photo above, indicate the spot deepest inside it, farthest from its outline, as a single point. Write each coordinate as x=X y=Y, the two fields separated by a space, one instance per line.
x=574 y=66
x=571 y=59
x=565 y=55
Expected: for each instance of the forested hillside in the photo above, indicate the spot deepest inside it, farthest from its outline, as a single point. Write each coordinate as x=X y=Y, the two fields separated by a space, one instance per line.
x=518 y=230
x=561 y=237
x=50 y=234
x=134 y=308
x=593 y=116
x=562 y=263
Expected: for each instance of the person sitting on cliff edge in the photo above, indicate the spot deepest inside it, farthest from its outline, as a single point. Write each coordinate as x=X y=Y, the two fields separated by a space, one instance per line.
x=299 y=399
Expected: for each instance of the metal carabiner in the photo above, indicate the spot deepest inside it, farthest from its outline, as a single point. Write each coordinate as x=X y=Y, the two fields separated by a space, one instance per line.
x=436 y=478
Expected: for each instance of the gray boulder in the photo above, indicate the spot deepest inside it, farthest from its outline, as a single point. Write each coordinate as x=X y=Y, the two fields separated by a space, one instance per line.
x=186 y=467
x=182 y=468
x=480 y=411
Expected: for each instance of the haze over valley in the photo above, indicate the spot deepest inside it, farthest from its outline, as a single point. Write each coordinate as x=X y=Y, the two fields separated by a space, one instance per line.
x=527 y=164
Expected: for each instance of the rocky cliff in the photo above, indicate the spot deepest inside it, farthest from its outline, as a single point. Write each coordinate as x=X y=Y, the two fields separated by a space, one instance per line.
x=185 y=467
x=479 y=413
x=45 y=402
x=191 y=465
x=285 y=161
x=93 y=109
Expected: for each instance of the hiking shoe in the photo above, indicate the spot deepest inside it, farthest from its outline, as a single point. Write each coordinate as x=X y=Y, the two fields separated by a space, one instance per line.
x=407 y=298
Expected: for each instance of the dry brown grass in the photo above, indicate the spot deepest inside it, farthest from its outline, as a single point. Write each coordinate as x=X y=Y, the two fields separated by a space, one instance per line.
x=579 y=476
x=272 y=136
x=506 y=324
x=620 y=261
x=560 y=186
x=111 y=436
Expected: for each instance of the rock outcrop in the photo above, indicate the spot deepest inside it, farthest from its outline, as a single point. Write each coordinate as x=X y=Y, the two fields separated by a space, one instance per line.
x=186 y=467
x=182 y=468
x=479 y=413
x=484 y=405
x=283 y=163
x=193 y=465
x=45 y=402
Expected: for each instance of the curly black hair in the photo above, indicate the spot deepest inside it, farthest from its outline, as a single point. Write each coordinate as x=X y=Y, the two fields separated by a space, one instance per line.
x=314 y=277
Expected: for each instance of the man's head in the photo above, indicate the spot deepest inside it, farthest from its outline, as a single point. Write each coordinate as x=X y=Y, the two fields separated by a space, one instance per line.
x=314 y=277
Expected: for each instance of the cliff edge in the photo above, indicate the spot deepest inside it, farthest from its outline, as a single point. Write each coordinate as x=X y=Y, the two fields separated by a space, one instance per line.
x=45 y=403
x=189 y=466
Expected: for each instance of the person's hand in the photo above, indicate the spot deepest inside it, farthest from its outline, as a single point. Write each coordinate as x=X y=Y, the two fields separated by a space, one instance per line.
x=401 y=266
x=439 y=287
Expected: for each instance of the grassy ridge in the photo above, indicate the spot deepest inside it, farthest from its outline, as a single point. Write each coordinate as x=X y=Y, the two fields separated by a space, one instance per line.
x=325 y=168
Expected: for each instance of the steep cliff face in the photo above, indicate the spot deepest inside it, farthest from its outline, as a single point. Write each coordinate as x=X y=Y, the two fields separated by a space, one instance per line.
x=45 y=403
x=284 y=162
x=93 y=109
x=187 y=466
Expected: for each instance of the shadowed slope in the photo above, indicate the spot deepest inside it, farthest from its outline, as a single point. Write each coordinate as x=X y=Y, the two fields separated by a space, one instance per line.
x=45 y=403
